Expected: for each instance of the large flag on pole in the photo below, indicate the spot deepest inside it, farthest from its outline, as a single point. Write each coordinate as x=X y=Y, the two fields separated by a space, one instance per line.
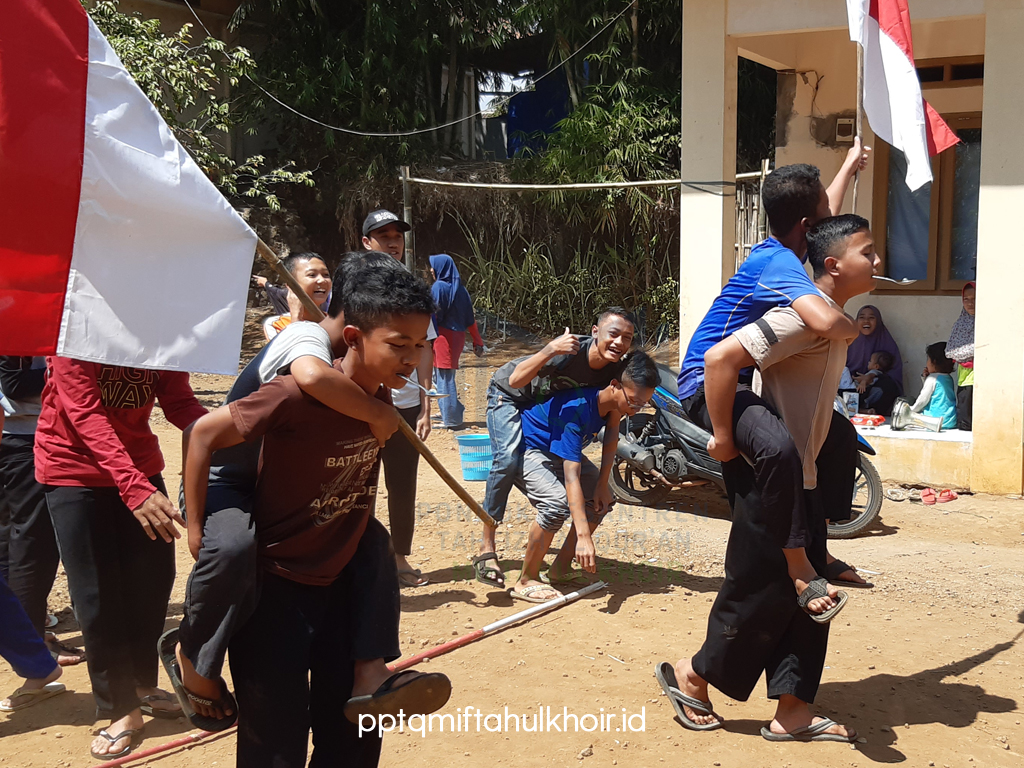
x=114 y=246
x=895 y=108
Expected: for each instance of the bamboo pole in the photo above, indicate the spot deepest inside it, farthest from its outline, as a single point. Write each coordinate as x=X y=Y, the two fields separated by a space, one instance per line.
x=288 y=278
x=271 y=258
x=410 y=260
x=588 y=185
x=860 y=118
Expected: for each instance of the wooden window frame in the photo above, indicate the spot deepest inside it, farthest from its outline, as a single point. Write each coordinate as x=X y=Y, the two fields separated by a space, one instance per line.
x=940 y=217
x=947 y=65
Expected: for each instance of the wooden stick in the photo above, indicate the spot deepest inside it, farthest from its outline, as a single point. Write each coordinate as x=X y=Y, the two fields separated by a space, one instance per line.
x=860 y=117
x=445 y=475
x=272 y=259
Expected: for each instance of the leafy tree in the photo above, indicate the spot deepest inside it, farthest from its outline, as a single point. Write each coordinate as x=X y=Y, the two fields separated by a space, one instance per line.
x=185 y=80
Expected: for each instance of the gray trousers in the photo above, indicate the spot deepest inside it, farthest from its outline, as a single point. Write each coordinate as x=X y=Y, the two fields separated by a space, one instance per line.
x=544 y=478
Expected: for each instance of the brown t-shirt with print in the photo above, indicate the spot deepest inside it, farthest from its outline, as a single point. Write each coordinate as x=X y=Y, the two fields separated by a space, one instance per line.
x=317 y=483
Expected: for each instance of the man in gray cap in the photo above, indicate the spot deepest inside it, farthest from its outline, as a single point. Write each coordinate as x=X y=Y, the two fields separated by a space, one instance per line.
x=383 y=231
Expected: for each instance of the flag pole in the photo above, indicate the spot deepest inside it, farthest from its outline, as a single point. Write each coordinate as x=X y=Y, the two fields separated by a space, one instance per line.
x=860 y=117
x=268 y=255
x=315 y=314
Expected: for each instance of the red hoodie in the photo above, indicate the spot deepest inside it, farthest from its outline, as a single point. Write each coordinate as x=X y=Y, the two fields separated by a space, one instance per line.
x=94 y=425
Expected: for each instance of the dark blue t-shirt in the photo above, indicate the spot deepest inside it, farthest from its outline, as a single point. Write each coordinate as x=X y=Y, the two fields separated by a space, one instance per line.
x=564 y=425
x=772 y=276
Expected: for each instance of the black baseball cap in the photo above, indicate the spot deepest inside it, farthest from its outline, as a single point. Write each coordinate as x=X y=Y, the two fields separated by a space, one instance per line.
x=382 y=217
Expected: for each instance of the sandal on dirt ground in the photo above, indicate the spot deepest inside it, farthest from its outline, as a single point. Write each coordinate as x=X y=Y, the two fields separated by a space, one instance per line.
x=131 y=732
x=896 y=494
x=914 y=494
x=947 y=495
x=814 y=590
x=412 y=577
x=419 y=694
x=527 y=593
x=35 y=695
x=225 y=701
x=814 y=732
x=928 y=497
x=487 y=574
x=576 y=578
x=65 y=655
x=163 y=714
x=836 y=568
x=666 y=675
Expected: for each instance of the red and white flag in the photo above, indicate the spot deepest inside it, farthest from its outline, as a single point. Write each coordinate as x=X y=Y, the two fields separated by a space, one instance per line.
x=895 y=108
x=114 y=246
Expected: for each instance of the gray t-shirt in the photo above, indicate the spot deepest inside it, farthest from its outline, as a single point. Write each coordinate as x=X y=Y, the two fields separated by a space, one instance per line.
x=560 y=373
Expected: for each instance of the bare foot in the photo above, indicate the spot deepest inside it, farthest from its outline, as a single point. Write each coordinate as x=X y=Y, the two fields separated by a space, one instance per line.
x=101 y=746
x=32 y=684
x=201 y=687
x=370 y=674
x=696 y=687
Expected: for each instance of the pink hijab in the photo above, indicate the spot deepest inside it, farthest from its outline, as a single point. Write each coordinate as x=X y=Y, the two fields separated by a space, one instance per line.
x=860 y=351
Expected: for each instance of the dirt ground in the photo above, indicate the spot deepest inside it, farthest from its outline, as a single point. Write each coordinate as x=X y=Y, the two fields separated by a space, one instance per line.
x=926 y=666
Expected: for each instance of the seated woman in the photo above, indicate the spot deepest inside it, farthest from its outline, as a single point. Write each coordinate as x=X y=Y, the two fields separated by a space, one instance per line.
x=311 y=272
x=960 y=348
x=937 y=398
x=874 y=337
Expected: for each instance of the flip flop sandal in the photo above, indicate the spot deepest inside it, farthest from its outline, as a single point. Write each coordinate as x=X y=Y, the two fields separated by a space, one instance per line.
x=35 y=695
x=666 y=675
x=896 y=494
x=132 y=732
x=928 y=497
x=416 y=574
x=168 y=640
x=947 y=495
x=56 y=648
x=814 y=732
x=834 y=569
x=914 y=495
x=51 y=621
x=576 y=578
x=162 y=714
x=420 y=695
x=485 y=574
x=819 y=588
x=527 y=593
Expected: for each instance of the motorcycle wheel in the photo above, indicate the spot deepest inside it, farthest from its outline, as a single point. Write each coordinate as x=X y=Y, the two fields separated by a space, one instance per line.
x=629 y=484
x=867 y=501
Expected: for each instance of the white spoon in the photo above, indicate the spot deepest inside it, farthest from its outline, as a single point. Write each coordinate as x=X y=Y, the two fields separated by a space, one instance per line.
x=428 y=392
x=904 y=281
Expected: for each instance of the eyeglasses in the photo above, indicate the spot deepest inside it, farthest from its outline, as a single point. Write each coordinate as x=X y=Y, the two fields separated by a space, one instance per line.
x=633 y=404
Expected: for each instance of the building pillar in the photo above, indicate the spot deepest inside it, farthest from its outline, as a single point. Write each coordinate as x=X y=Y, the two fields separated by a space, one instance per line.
x=706 y=226
x=997 y=463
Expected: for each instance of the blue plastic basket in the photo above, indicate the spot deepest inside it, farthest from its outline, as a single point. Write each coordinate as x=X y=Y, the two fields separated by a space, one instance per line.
x=475 y=454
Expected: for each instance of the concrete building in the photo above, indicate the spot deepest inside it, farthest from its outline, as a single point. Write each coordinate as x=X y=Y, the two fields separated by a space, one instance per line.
x=971 y=62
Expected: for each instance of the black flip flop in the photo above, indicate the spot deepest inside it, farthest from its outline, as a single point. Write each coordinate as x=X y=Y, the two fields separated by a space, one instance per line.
x=163 y=714
x=666 y=675
x=168 y=640
x=483 y=573
x=814 y=732
x=819 y=588
x=421 y=695
x=837 y=567
x=132 y=732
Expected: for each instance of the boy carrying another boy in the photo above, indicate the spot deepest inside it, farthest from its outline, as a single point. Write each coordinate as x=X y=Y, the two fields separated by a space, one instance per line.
x=327 y=577
x=569 y=362
x=561 y=482
x=757 y=625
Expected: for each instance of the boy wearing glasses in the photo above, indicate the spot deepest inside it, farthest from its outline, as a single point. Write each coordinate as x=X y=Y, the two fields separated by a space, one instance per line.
x=561 y=482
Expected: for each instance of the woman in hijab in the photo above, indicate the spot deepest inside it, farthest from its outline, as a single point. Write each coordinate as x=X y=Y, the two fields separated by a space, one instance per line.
x=874 y=337
x=960 y=348
x=454 y=317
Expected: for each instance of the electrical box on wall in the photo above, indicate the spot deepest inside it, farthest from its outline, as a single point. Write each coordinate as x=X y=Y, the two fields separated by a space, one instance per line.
x=845 y=130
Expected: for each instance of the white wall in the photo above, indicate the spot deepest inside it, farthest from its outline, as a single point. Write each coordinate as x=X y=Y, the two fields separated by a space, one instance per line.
x=915 y=322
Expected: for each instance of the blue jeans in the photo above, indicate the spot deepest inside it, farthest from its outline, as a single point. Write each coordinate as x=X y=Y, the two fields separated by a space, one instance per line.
x=452 y=411
x=506 y=431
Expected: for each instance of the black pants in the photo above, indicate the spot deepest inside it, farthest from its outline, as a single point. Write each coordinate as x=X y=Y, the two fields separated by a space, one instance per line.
x=401 y=462
x=120 y=581
x=755 y=624
x=223 y=588
x=965 y=408
x=32 y=547
x=293 y=661
x=837 y=469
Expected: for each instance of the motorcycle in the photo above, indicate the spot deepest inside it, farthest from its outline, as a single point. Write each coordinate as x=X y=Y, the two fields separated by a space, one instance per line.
x=663 y=451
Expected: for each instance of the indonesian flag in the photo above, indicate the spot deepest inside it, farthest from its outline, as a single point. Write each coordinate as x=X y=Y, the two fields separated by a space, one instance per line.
x=893 y=103
x=114 y=246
